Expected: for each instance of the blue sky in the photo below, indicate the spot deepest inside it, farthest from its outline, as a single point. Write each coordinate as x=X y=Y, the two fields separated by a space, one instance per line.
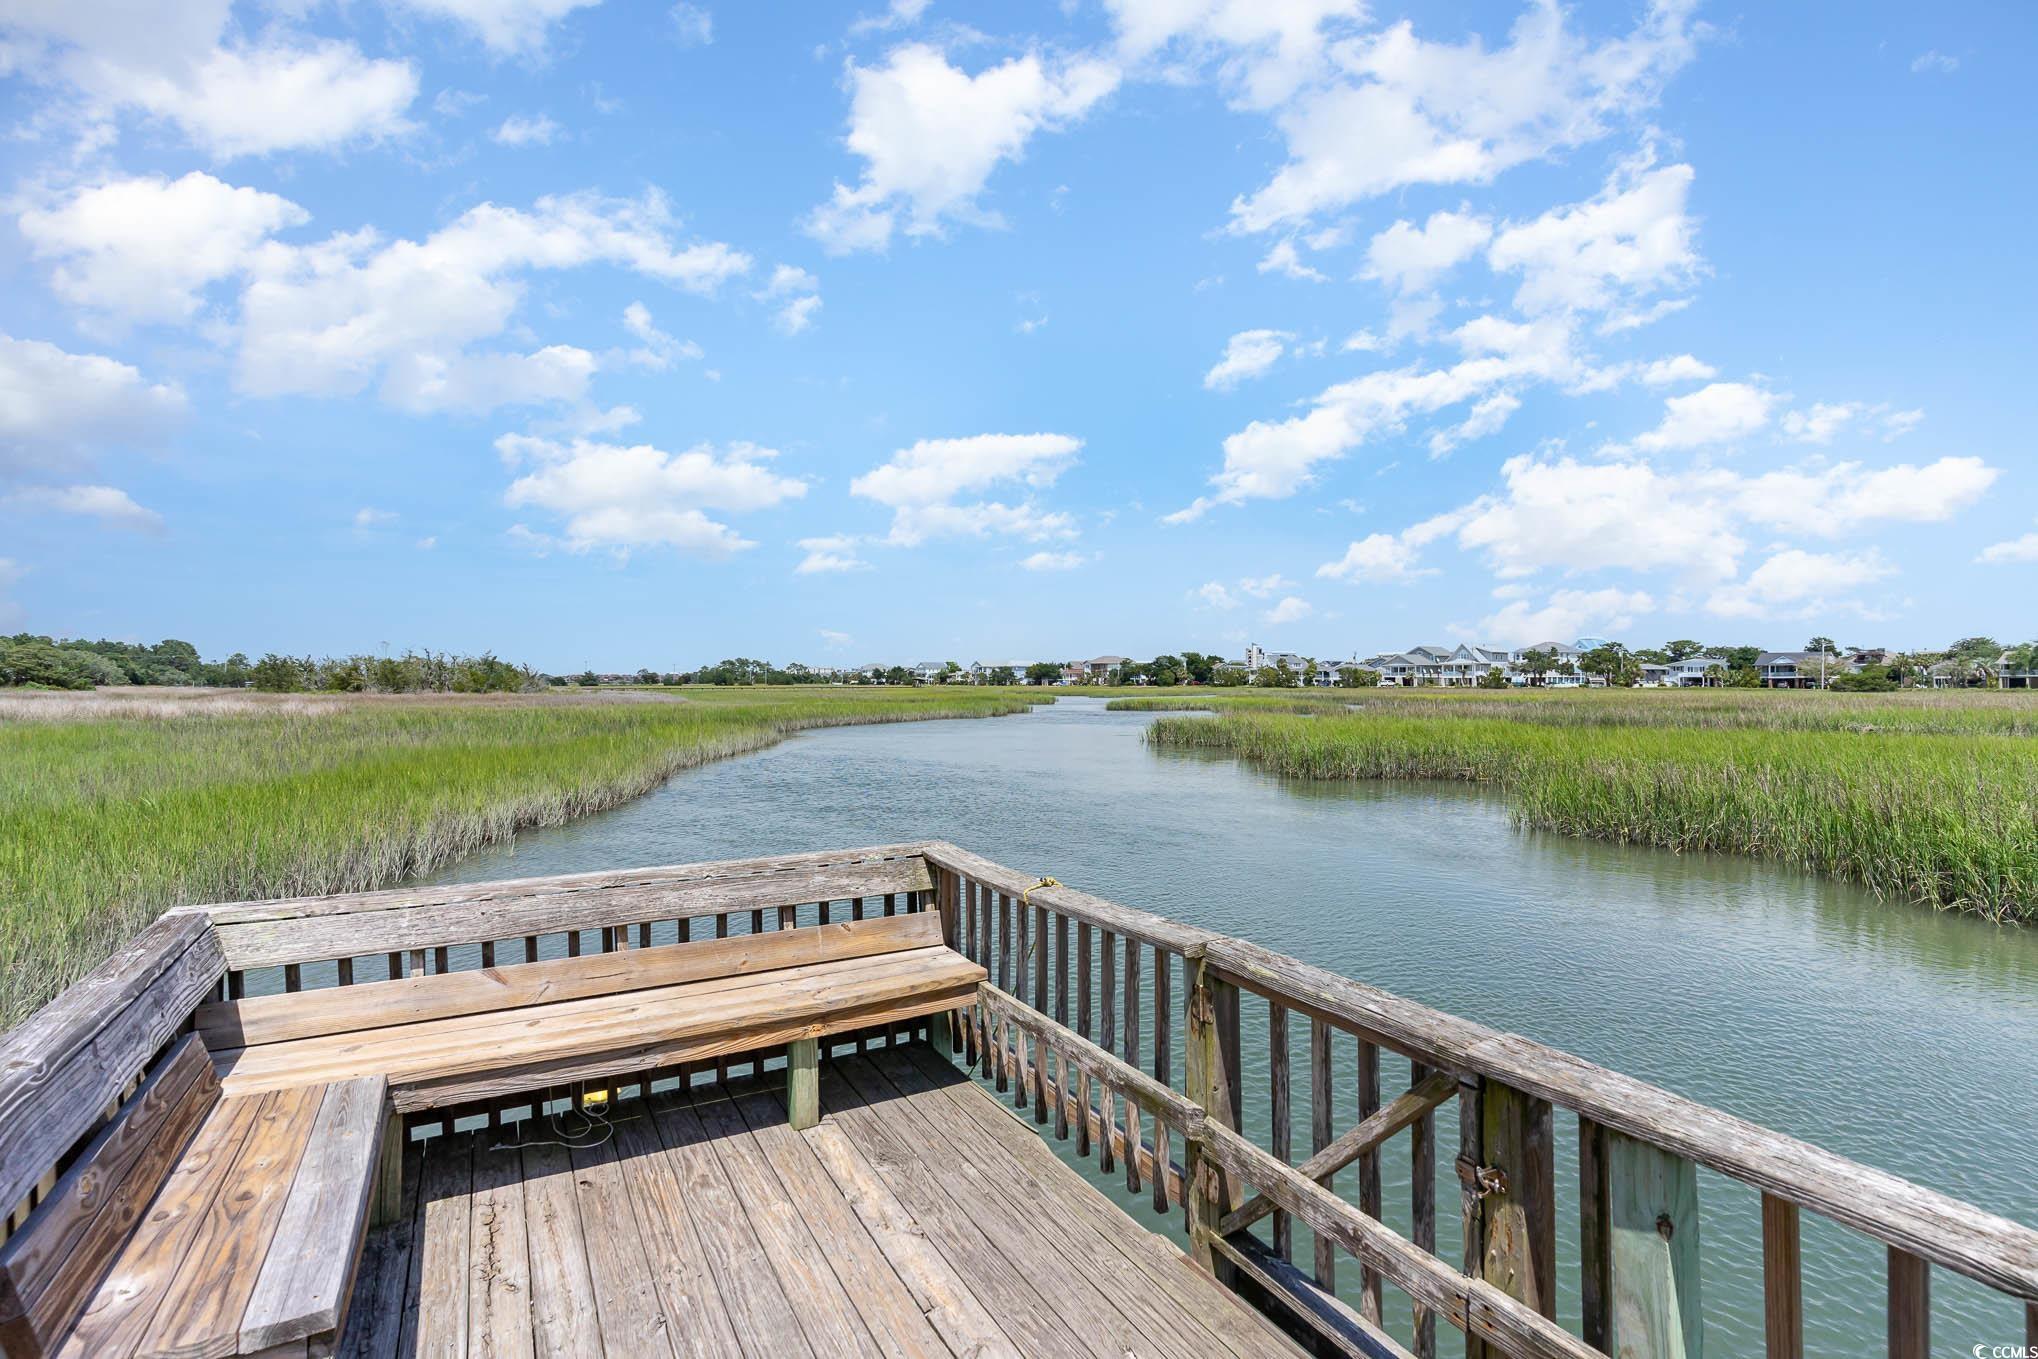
x=621 y=334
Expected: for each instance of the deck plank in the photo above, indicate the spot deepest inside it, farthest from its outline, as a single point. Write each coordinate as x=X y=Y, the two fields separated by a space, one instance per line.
x=1096 y=1288
x=498 y=1254
x=443 y=1210
x=1035 y=1321
x=672 y=1245
x=875 y=1289
x=564 y=1321
x=1175 y=1277
x=826 y=1311
x=765 y=1322
x=633 y=1319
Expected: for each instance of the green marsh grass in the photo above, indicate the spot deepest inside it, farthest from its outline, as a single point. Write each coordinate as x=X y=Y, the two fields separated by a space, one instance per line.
x=108 y=814
x=1932 y=803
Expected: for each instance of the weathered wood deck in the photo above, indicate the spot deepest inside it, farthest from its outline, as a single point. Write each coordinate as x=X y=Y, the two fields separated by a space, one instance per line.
x=918 y=1218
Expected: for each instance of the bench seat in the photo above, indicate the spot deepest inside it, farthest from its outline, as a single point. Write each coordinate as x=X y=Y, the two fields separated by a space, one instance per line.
x=249 y=1246
x=459 y=1037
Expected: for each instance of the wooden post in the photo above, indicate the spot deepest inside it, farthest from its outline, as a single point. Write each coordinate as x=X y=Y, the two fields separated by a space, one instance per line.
x=1782 y=1280
x=1593 y=1248
x=1519 y=1254
x=1212 y=1055
x=803 y=1082
x=389 y=1176
x=1282 y=1142
x=1910 y=1305
x=1471 y=1209
x=1320 y=1126
x=1651 y=1217
x=1369 y=1174
x=1422 y=1156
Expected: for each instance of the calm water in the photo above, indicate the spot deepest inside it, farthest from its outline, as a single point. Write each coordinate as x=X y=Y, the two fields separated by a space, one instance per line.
x=1898 y=1037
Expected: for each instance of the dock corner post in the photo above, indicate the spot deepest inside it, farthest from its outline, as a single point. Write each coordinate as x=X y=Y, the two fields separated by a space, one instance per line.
x=1212 y=1052
x=947 y=891
x=1653 y=1309
x=388 y=1204
x=803 y=1083
x=1510 y=1192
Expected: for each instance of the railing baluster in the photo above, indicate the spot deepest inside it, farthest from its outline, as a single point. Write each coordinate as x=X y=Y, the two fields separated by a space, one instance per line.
x=487 y=953
x=1782 y=1280
x=1321 y=1130
x=1423 y=1208
x=345 y=971
x=1369 y=1174
x=530 y=948
x=1061 y=1015
x=1004 y=942
x=1282 y=1142
x=1083 y=1030
x=1163 y=1015
x=1910 y=1306
x=1594 y=1248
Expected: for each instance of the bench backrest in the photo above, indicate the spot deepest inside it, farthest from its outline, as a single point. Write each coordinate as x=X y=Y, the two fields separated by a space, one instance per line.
x=49 y=1269
x=371 y=1005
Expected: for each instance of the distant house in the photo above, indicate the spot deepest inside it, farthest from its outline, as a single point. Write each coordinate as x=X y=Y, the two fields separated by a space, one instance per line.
x=1556 y=677
x=980 y=672
x=1655 y=675
x=1799 y=669
x=1692 y=671
x=1467 y=664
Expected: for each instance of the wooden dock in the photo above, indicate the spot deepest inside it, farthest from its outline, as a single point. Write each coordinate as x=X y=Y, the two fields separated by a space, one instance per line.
x=723 y=1109
x=917 y=1218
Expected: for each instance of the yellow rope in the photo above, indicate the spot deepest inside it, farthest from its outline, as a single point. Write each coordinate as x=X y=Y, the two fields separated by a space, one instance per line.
x=1026 y=897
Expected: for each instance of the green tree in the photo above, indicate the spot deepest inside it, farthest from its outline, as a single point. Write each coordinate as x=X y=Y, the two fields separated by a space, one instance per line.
x=1537 y=662
x=1202 y=668
x=277 y=674
x=1496 y=678
x=1002 y=674
x=1042 y=672
x=1823 y=644
x=1681 y=648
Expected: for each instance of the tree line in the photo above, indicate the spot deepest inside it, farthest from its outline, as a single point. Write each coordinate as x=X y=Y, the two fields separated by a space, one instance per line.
x=27 y=659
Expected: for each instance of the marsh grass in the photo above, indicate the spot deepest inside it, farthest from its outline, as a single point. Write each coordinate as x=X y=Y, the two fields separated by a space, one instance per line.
x=110 y=813
x=1929 y=803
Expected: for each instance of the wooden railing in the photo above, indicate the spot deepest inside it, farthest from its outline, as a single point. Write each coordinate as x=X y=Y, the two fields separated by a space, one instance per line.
x=1081 y=1022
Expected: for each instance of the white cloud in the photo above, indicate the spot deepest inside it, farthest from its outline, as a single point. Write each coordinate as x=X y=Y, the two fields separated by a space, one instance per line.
x=898 y=14
x=144 y=249
x=640 y=496
x=1488 y=417
x=2022 y=549
x=797 y=294
x=503 y=26
x=1835 y=500
x=1271 y=460
x=1053 y=561
x=331 y=317
x=107 y=503
x=427 y=543
x=452 y=103
x=1263 y=52
x=657 y=350
x=834 y=638
x=1934 y=62
x=175 y=64
x=1391 y=558
x=692 y=25
x=921 y=485
x=1291 y=609
x=1632 y=239
x=1717 y=413
x=1283 y=258
x=1682 y=368
x=930 y=135
x=1818 y=423
x=829 y=555
x=1248 y=354
x=368 y=517
x=1799 y=584
x=527 y=129
x=1410 y=259
x=1214 y=595
x=1404 y=111
x=1265 y=586
x=56 y=407
x=1567 y=613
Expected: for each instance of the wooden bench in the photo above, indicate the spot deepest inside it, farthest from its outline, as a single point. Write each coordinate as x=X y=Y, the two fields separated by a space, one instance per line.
x=199 y=1225
x=454 y=1038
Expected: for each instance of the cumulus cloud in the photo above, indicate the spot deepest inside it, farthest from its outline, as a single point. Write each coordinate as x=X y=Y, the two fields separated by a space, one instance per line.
x=617 y=497
x=1214 y=595
x=109 y=504
x=1262 y=53
x=1283 y=258
x=1053 y=561
x=144 y=249
x=527 y=129
x=2020 y=549
x=503 y=26
x=1682 y=368
x=1291 y=609
x=1566 y=613
x=692 y=25
x=930 y=134
x=1632 y=240
x=796 y=296
x=57 y=408
x=1248 y=354
x=1410 y=259
x=1799 y=584
x=656 y=350
x=924 y=484
x=1717 y=413
x=1934 y=62
x=1390 y=558
x=1399 y=110
x=227 y=97
x=829 y=555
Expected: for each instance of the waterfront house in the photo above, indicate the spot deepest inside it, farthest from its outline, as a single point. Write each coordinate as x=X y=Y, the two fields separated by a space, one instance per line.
x=1799 y=669
x=1655 y=675
x=1466 y=664
x=1691 y=672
